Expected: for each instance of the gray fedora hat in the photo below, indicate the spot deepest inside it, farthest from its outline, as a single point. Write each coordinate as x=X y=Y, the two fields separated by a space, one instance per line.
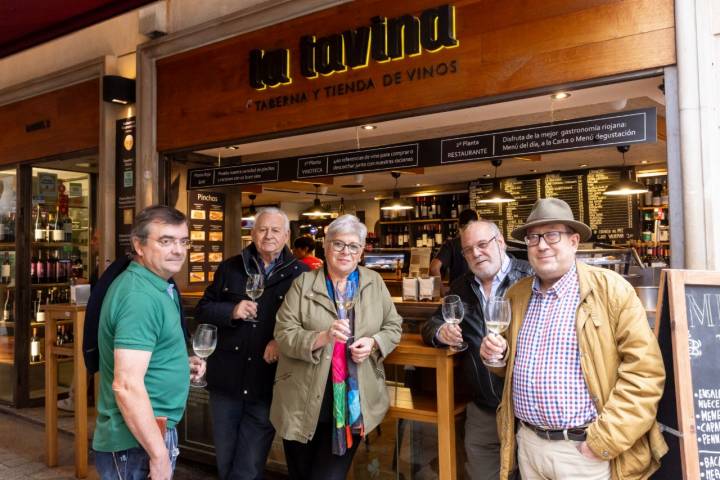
x=552 y=210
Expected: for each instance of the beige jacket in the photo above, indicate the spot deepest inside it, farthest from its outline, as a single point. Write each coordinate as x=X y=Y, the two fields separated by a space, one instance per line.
x=622 y=366
x=302 y=373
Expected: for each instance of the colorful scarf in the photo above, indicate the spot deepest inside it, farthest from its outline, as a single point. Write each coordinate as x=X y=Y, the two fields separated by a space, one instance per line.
x=346 y=390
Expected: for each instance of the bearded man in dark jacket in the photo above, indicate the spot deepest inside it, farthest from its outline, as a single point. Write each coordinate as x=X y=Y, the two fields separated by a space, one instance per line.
x=241 y=371
x=492 y=272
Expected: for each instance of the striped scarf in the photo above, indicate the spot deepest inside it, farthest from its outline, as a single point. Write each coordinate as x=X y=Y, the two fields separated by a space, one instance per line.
x=346 y=391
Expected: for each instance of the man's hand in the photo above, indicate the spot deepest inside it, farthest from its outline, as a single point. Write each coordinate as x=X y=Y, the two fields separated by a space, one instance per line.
x=361 y=349
x=587 y=453
x=197 y=368
x=160 y=467
x=271 y=352
x=492 y=348
x=244 y=310
x=450 y=334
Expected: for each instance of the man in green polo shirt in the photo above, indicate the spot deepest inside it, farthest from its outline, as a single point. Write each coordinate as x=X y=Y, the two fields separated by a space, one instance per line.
x=144 y=369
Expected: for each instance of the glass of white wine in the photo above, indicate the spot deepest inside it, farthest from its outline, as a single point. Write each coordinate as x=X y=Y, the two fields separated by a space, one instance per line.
x=254 y=288
x=204 y=341
x=453 y=313
x=345 y=300
x=497 y=320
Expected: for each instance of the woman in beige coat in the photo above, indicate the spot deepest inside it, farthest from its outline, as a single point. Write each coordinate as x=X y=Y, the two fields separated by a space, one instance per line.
x=330 y=383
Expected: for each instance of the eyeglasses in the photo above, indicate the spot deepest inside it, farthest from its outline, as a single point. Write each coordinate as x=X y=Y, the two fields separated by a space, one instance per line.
x=481 y=245
x=339 y=246
x=168 y=242
x=533 y=239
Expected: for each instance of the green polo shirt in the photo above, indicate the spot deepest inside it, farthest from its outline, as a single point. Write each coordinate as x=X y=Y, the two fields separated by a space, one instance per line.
x=141 y=312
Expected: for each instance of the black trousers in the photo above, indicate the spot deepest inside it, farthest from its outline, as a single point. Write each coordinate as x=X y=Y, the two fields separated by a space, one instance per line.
x=314 y=460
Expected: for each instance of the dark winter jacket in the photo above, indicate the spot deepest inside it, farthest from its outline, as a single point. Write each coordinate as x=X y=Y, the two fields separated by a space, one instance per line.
x=237 y=367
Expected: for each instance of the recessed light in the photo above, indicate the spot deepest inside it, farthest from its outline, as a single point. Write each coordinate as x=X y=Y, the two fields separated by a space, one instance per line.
x=363 y=190
x=581 y=165
x=368 y=127
x=232 y=147
x=560 y=95
x=418 y=184
x=644 y=162
x=486 y=175
x=533 y=170
x=83 y=164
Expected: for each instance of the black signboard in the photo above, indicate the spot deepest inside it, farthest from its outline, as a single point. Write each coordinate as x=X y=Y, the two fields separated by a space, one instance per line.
x=207 y=232
x=614 y=129
x=526 y=192
x=124 y=184
x=567 y=187
x=609 y=217
x=366 y=160
x=635 y=126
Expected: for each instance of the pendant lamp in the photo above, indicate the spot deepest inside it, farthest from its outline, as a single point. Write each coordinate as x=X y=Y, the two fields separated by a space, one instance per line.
x=316 y=210
x=251 y=211
x=396 y=203
x=625 y=186
x=497 y=194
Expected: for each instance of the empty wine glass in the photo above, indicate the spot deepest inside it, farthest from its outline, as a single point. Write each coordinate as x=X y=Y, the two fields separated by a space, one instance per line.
x=497 y=320
x=345 y=300
x=453 y=313
x=204 y=341
x=254 y=288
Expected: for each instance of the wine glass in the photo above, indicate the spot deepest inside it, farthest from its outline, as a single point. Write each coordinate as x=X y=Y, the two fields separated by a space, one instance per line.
x=345 y=300
x=453 y=312
x=497 y=320
x=204 y=341
x=254 y=288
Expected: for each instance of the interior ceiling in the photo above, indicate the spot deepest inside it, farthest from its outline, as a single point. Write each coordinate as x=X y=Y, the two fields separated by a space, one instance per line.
x=583 y=103
x=27 y=23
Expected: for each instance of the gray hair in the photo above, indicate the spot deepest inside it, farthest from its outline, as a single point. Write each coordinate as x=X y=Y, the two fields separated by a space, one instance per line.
x=346 y=224
x=493 y=227
x=272 y=211
x=155 y=214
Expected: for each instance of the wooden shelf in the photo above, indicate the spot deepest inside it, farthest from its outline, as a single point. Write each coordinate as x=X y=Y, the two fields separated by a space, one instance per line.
x=5 y=245
x=419 y=407
x=53 y=244
x=425 y=220
x=654 y=208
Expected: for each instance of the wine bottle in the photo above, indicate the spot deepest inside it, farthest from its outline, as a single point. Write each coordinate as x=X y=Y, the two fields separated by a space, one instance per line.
x=35 y=347
x=438 y=235
x=60 y=335
x=39 y=226
x=7 y=307
x=67 y=227
x=10 y=228
x=5 y=270
x=58 y=233
x=52 y=268
x=40 y=268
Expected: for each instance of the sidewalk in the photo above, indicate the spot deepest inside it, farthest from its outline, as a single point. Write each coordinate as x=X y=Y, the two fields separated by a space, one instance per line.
x=22 y=449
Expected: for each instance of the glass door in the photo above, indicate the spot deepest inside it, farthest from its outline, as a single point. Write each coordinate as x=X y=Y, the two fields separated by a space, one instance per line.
x=8 y=210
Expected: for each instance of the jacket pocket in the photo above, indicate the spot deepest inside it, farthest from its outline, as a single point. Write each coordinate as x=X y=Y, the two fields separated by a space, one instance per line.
x=637 y=460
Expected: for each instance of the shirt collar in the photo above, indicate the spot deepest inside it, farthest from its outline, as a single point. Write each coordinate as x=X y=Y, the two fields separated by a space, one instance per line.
x=154 y=280
x=498 y=278
x=560 y=287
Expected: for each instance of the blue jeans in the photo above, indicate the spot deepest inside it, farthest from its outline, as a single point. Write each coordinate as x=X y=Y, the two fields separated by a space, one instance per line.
x=242 y=434
x=133 y=463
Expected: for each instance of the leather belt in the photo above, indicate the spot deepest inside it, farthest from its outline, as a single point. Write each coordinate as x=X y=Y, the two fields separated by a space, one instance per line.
x=577 y=434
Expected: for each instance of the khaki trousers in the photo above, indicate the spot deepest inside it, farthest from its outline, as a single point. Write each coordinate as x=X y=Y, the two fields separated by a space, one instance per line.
x=541 y=459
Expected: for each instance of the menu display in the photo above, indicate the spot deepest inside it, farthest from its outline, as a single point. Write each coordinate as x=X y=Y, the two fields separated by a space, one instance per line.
x=486 y=211
x=609 y=217
x=568 y=187
x=526 y=192
x=207 y=226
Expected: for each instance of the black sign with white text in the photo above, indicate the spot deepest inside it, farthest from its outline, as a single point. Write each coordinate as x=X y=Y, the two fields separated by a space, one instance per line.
x=367 y=160
x=124 y=184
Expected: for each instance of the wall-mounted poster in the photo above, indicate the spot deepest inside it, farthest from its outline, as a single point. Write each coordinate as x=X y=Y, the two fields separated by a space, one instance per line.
x=207 y=228
x=124 y=183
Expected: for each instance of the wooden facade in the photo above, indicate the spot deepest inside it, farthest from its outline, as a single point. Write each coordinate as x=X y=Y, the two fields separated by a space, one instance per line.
x=504 y=48
x=55 y=123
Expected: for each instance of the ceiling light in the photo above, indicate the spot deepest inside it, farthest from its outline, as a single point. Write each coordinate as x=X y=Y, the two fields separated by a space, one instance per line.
x=418 y=184
x=644 y=162
x=560 y=95
x=83 y=164
x=625 y=186
x=396 y=203
x=316 y=210
x=232 y=147
x=363 y=190
x=497 y=194
x=582 y=165
x=368 y=127
x=533 y=170
x=250 y=217
x=487 y=175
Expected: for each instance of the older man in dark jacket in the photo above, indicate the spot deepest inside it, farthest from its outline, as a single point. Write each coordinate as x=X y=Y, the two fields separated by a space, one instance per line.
x=492 y=272
x=240 y=373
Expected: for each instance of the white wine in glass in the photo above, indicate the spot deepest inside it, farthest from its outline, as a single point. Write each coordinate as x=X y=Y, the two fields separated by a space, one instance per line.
x=204 y=341
x=497 y=320
x=254 y=288
x=453 y=313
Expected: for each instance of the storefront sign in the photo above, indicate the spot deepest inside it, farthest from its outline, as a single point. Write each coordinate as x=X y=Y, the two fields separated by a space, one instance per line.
x=124 y=184
x=207 y=232
x=611 y=129
x=367 y=160
x=637 y=126
x=383 y=40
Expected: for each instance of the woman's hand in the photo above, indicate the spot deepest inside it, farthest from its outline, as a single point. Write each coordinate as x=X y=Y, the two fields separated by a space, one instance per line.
x=361 y=349
x=339 y=331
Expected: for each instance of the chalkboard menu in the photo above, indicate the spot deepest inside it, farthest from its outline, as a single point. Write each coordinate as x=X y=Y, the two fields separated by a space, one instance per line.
x=526 y=192
x=486 y=211
x=207 y=232
x=609 y=217
x=568 y=187
x=688 y=330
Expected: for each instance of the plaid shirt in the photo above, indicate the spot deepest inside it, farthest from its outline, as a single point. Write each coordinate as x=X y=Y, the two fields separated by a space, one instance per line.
x=548 y=387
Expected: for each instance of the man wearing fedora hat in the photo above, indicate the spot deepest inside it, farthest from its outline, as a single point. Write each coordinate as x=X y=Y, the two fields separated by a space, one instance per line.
x=583 y=372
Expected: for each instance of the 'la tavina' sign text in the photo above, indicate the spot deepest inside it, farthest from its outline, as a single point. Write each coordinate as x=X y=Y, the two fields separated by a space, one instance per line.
x=383 y=40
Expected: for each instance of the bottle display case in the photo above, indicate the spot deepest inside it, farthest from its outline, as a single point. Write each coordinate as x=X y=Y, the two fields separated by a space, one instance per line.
x=41 y=254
